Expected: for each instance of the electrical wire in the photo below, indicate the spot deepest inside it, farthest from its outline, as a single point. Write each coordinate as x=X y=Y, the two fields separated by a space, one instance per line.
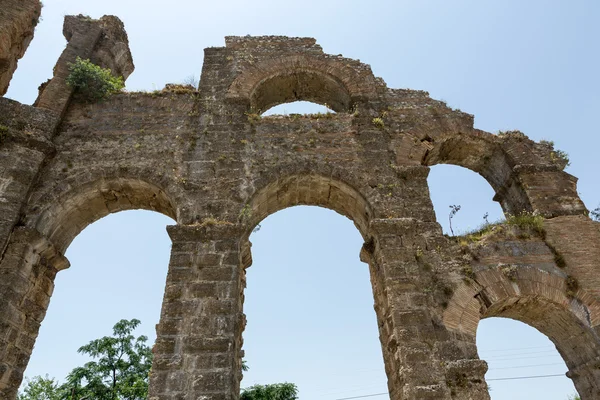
x=503 y=357
x=523 y=377
x=488 y=380
x=362 y=397
x=524 y=358
x=527 y=366
x=515 y=349
x=520 y=354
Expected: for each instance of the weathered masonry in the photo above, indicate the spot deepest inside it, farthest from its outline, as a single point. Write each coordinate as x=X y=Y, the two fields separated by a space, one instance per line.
x=207 y=159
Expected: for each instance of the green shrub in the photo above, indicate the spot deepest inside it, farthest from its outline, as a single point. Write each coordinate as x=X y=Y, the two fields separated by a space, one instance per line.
x=556 y=155
x=91 y=81
x=378 y=122
x=527 y=221
x=514 y=134
x=560 y=155
x=572 y=286
x=595 y=214
x=3 y=133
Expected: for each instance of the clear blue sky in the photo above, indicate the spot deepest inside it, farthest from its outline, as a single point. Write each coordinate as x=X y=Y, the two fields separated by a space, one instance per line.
x=531 y=66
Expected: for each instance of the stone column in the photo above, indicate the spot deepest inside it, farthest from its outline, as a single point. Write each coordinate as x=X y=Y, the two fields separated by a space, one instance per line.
x=586 y=378
x=27 y=274
x=548 y=191
x=103 y=41
x=422 y=360
x=24 y=145
x=17 y=24
x=197 y=354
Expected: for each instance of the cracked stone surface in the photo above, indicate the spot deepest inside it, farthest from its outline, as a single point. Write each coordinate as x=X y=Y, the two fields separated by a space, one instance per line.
x=207 y=158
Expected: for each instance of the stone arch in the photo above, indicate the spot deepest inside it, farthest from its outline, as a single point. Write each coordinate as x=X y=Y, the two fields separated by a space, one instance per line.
x=35 y=254
x=326 y=81
x=537 y=298
x=305 y=85
x=524 y=175
x=309 y=189
x=319 y=186
x=481 y=152
x=63 y=219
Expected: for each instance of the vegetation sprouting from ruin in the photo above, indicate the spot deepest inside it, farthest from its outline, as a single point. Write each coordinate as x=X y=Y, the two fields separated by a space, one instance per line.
x=92 y=82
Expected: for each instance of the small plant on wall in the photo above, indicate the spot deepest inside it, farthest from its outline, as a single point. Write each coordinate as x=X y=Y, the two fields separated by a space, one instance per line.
x=92 y=82
x=453 y=210
x=595 y=214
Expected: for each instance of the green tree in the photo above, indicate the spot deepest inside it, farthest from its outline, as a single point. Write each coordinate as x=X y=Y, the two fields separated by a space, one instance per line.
x=595 y=214
x=40 y=388
x=92 y=82
x=276 y=391
x=120 y=371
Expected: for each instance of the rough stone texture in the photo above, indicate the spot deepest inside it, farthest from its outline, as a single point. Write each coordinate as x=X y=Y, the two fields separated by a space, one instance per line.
x=18 y=19
x=103 y=41
x=207 y=159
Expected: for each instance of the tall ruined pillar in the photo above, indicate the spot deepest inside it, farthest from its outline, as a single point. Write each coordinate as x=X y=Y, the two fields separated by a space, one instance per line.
x=103 y=41
x=17 y=24
x=25 y=142
x=422 y=359
x=26 y=133
x=197 y=354
x=28 y=260
x=412 y=286
x=27 y=274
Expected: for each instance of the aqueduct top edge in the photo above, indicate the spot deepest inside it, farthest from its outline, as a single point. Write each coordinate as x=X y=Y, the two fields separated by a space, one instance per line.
x=207 y=158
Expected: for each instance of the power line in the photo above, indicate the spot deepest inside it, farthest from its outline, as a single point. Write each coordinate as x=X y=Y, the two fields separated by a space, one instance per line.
x=362 y=397
x=524 y=377
x=527 y=366
x=488 y=380
x=514 y=349
x=523 y=358
x=520 y=354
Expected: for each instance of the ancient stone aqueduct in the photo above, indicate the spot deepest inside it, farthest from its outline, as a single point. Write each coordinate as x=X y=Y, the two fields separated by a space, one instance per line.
x=205 y=158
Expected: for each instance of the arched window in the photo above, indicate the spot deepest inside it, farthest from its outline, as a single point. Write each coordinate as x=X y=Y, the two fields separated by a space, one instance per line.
x=118 y=269
x=309 y=307
x=301 y=85
x=298 y=107
x=522 y=362
x=449 y=186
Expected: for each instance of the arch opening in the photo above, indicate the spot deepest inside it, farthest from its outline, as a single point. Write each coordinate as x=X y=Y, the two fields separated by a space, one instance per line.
x=37 y=249
x=539 y=299
x=309 y=307
x=451 y=185
x=309 y=190
x=301 y=85
x=521 y=359
x=299 y=108
x=72 y=212
x=481 y=153
x=118 y=271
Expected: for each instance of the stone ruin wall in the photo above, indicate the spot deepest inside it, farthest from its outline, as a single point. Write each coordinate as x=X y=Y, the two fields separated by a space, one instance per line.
x=207 y=159
x=18 y=19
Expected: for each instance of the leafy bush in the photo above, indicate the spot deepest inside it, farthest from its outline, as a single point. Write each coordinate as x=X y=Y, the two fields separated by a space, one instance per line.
x=514 y=134
x=91 y=81
x=557 y=156
x=595 y=214
x=40 y=388
x=378 y=122
x=275 y=391
x=121 y=371
x=527 y=221
x=3 y=133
